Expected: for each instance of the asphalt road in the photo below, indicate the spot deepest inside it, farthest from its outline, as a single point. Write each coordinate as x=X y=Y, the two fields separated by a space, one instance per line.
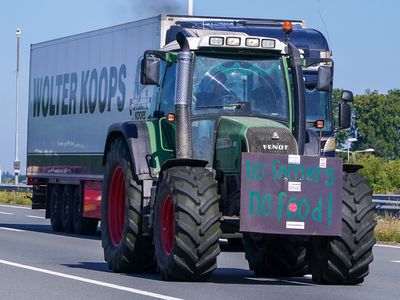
x=35 y=263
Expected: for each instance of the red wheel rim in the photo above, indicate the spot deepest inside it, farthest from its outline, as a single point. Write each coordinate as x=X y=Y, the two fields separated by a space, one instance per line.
x=116 y=206
x=167 y=225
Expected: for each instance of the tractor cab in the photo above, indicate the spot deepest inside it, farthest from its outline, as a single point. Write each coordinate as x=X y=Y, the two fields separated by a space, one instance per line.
x=242 y=94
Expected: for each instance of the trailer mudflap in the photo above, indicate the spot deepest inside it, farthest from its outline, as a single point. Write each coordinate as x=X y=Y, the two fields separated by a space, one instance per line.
x=291 y=194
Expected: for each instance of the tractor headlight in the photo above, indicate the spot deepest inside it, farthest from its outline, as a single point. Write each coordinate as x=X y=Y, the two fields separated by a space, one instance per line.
x=268 y=43
x=233 y=41
x=252 y=42
x=216 y=41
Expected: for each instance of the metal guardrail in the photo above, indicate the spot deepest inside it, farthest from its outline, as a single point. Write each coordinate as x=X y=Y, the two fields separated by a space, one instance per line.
x=21 y=188
x=389 y=204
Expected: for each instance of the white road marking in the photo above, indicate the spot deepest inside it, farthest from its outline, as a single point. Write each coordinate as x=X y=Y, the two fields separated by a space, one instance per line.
x=387 y=246
x=5 y=213
x=12 y=229
x=396 y=261
x=14 y=206
x=95 y=282
x=35 y=217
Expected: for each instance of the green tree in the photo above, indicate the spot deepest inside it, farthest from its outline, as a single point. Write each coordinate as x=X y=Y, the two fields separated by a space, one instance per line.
x=392 y=170
x=374 y=169
x=377 y=122
x=383 y=175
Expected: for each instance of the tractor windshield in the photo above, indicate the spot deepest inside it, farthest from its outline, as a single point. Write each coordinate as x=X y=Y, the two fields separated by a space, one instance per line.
x=235 y=85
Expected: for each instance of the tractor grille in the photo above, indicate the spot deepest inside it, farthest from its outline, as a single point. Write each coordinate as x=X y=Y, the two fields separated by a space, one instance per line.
x=271 y=140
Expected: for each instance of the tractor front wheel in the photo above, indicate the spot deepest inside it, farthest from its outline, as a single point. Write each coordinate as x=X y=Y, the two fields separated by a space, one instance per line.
x=346 y=259
x=187 y=229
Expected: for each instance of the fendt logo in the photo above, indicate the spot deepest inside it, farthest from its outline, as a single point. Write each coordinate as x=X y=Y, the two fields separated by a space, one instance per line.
x=85 y=92
x=279 y=147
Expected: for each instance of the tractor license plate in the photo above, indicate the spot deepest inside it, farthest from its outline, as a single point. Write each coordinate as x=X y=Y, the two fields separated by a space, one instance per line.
x=291 y=194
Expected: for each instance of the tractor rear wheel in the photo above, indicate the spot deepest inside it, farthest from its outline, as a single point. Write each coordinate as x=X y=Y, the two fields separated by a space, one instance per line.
x=186 y=225
x=125 y=248
x=275 y=256
x=346 y=259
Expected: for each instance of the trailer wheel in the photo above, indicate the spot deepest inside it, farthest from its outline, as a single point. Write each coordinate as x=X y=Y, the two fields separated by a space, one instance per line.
x=186 y=225
x=125 y=248
x=82 y=225
x=55 y=208
x=67 y=210
x=275 y=256
x=346 y=259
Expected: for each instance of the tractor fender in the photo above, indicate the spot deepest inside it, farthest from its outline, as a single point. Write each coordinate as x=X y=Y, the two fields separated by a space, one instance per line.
x=183 y=162
x=136 y=135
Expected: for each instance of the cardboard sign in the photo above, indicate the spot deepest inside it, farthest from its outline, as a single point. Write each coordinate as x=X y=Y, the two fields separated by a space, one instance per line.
x=286 y=194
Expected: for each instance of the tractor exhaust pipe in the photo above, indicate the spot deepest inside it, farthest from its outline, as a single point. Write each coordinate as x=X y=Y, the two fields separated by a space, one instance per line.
x=183 y=88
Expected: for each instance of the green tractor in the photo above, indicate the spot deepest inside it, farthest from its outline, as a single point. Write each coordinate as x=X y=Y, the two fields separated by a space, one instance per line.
x=173 y=183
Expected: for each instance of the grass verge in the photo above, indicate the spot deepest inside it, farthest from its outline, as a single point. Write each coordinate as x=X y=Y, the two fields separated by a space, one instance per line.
x=14 y=198
x=387 y=229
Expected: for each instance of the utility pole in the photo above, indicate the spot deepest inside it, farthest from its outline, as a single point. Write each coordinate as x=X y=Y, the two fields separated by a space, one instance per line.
x=349 y=141
x=190 y=7
x=17 y=163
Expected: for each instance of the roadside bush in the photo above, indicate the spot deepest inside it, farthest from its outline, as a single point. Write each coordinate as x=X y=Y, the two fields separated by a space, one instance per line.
x=15 y=198
x=387 y=229
x=383 y=175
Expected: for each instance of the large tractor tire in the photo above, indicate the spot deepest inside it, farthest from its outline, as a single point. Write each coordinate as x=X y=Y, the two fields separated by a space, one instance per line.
x=187 y=224
x=82 y=225
x=55 y=208
x=346 y=259
x=275 y=256
x=67 y=210
x=125 y=248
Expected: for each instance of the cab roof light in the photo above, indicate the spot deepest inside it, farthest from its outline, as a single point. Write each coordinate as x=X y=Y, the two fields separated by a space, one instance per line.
x=252 y=42
x=216 y=41
x=268 y=43
x=233 y=41
x=287 y=26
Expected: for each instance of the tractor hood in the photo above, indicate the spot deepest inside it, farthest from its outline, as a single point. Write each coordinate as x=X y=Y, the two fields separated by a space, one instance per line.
x=250 y=134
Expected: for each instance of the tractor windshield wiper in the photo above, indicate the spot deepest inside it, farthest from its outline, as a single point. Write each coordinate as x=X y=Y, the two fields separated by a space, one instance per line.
x=239 y=105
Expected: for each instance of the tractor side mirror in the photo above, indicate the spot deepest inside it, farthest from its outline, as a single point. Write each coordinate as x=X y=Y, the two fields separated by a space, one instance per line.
x=345 y=110
x=347 y=96
x=150 y=71
x=325 y=77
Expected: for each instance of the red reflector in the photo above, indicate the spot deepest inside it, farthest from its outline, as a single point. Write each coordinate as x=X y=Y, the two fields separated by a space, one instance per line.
x=292 y=207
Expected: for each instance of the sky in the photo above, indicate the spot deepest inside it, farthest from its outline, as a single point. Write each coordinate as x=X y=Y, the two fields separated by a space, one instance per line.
x=363 y=36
